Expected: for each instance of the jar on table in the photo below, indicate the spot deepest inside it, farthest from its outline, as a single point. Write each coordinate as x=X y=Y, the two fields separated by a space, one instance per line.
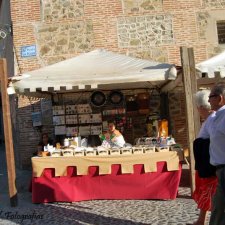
x=58 y=146
x=66 y=142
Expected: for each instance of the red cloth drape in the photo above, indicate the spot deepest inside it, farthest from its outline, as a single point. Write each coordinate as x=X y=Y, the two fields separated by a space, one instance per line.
x=162 y=184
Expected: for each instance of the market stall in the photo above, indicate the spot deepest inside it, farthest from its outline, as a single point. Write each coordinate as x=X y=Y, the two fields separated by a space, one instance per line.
x=107 y=72
x=211 y=71
x=154 y=74
x=212 y=66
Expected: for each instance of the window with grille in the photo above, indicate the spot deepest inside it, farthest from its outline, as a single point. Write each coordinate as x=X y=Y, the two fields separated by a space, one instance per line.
x=221 y=31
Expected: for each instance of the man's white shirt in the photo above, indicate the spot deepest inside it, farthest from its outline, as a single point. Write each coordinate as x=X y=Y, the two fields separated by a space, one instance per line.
x=217 y=138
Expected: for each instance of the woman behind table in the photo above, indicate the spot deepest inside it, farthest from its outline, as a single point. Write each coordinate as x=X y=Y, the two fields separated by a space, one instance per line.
x=45 y=140
x=113 y=136
x=205 y=187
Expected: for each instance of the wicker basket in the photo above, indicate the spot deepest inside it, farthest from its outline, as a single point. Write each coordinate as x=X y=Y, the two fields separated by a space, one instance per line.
x=67 y=152
x=137 y=150
x=78 y=153
x=56 y=153
x=175 y=148
x=126 y=151
x=90 y=152
x=149 y=149
x=103 y=152
x=163 y=149
x=115 y=151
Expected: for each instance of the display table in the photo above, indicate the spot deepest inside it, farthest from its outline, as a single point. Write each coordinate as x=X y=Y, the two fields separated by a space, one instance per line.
x=68 y=179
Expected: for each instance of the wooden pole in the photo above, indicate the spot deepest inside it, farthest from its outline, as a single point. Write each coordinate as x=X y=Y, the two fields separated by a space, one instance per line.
x=8 y=134
x=194 y=86
x=190 y=88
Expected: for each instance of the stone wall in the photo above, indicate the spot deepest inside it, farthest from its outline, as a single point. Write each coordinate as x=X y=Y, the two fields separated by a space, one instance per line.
x=62 y=29
x=203 y=20
x=155 y=27
x=141 y=6
x=123 y=26
x=53 y=10
x=159 y=54
x=144 y=31
x=214 y=3
x=54 y=41
x=207 y=30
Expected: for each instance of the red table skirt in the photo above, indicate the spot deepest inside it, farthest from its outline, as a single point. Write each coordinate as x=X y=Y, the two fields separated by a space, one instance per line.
x=162 y=184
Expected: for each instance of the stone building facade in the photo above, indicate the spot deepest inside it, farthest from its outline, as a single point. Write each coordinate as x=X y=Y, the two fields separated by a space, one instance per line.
x=147 y=29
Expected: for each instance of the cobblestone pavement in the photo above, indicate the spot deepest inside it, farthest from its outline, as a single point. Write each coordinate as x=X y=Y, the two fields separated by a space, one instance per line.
x=181 y=211
x=102 y=212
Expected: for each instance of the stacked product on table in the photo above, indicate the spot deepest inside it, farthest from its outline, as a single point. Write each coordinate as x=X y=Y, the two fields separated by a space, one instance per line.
x=143 y=146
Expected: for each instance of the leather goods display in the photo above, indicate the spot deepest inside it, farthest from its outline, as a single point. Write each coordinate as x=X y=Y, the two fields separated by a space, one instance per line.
x=131 y=103
x=143 y=102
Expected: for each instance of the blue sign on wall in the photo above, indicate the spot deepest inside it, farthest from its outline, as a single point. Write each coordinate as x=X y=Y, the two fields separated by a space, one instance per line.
x=28 y=51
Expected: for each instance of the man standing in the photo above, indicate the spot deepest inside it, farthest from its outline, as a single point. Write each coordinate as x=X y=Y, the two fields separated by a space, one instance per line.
x=217 y=152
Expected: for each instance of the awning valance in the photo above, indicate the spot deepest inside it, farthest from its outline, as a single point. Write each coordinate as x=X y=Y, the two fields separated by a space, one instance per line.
x=96 y=69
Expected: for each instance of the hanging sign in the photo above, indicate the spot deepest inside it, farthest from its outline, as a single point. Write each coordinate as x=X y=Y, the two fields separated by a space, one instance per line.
x=28 y=51
x=36 y=119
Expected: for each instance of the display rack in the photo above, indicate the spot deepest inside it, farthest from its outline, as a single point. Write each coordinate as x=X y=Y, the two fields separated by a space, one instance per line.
x=76 y=119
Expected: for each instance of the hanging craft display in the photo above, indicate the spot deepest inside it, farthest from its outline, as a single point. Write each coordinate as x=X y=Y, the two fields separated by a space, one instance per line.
x=98 y=98
x=116 y=97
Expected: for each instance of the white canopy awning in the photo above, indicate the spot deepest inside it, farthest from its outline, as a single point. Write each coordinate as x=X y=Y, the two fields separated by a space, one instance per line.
x=212 y=66
x=96 y=69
